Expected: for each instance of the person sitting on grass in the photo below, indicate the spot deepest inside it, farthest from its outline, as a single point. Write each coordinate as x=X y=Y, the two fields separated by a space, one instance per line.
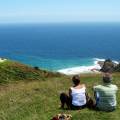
x=77 y=98
x=105 y=94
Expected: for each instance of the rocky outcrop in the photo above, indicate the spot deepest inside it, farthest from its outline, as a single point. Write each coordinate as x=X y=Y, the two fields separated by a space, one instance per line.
x=109 y=66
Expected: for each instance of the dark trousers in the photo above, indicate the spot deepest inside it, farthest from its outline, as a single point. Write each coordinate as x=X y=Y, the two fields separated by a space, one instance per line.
x=66 y=100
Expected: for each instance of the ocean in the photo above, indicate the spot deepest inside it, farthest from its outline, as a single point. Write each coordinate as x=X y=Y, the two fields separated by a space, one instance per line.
x=66 y=48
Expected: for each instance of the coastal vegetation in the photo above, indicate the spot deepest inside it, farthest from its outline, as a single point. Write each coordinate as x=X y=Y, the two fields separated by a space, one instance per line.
x=29 y=93
x=11 y=71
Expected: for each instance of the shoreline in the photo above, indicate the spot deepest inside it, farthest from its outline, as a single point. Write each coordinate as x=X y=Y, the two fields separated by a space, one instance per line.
x=83 y=69
x=93 y=69
x=2 y=60
x=77 y=70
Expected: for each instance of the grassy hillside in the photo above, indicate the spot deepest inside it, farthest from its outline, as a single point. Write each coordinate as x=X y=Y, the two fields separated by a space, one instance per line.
x=35 y=95
x=11 y=71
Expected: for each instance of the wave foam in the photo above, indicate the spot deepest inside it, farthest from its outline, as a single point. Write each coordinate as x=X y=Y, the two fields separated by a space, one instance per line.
x=2 y=59
x=83 y=69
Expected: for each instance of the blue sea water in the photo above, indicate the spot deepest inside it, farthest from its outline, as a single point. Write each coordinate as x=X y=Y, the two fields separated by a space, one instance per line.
x=60 y=46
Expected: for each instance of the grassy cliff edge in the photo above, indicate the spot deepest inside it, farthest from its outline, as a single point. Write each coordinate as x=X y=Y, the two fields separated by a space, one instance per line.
x=30 y=94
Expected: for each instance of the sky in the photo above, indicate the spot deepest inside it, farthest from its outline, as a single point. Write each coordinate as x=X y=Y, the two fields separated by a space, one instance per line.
x=35 y=11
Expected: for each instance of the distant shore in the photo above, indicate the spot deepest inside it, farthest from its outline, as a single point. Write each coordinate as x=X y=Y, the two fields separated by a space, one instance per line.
x=2 y=60
x=82 y=69
x=85 y=69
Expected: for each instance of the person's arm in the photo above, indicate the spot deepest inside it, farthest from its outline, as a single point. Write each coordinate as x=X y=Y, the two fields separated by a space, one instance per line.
x=116 y=88
x=70 y=92
x=70 y=95
x=94 y=92
x=86 y=93
x=96 y=95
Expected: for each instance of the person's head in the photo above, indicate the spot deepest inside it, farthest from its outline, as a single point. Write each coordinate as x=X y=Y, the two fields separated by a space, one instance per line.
x=107 y=78
x=76 y=80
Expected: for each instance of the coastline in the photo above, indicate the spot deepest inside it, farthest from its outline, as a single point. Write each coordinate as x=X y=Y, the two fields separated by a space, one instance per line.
x=81 y=70
x=2 y=60
x=92 y=69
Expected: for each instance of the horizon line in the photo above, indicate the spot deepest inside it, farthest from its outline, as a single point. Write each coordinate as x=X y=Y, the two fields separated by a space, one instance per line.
x=60 y=22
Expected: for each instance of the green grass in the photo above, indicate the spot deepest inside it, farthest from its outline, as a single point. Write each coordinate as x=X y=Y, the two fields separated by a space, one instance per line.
x=30 y=99
x=11 y=71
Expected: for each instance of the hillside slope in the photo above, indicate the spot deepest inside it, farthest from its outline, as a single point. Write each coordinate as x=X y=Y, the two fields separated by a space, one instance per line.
x=14 y=71
x=35 y=95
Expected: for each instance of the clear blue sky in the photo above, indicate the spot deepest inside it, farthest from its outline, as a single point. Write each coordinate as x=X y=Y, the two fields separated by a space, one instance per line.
x=59 y=10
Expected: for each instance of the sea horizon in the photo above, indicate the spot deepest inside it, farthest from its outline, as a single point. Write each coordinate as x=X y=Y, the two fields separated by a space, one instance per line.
x=60 y=47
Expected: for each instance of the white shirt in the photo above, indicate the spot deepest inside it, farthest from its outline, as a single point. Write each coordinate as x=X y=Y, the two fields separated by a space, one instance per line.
x=78 y=96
